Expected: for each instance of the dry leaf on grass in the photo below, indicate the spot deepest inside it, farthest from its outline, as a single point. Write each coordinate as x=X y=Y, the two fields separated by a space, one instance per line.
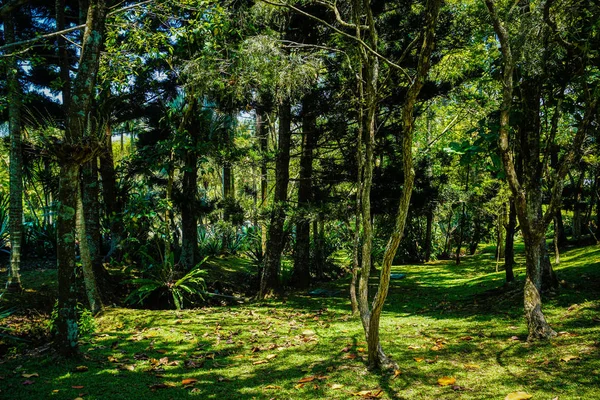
x=336 y=386
x=299 y=386
x=569 y=357
x=471 y=366
x=270 y=387
x=446 y=380
x=260 y=362
x=34 y=375
x=369 y=394
x=271 y=356
x=418 y=359
x=77 y=387
x=518 y=396
x=81 y=368
x=396 y=373
x=189 y=381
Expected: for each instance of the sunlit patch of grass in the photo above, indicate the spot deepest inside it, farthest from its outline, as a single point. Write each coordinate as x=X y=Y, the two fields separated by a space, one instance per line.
x=442 y=319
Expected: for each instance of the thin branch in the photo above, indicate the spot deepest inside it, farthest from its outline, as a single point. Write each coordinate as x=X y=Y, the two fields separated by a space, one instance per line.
x=65 y=31
x=347 y=35
x=338 y=16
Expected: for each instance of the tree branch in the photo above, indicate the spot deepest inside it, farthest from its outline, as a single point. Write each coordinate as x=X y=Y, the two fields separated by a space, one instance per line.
x=64 y=31
x=347 y=35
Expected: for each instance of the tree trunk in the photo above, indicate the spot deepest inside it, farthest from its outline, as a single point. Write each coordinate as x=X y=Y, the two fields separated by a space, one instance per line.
x=263 y=134
x=72 y=153
x=428 y=235
x=463 y=217
x=189 y=217
x=549 y=278
x=66 y=323
x=301 y=274
x=109 y=192
x=509 y=247
x=87 y=251
x=536 y=322
x=370 y=315
x=16 y=161
x=270 y=283
x=560 y=227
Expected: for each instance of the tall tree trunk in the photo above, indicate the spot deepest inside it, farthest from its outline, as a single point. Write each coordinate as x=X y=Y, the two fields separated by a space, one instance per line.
x=189 y=217
x=428 y=234
x=556 y=241
x=109 y=191
x=91 y=228
x=509 y=247
x=463 y=217
x=549 y=278
x=560 y=227
x=301 y=273
x=371 y=313
x=16 y=161
x=578 y=207
x=262 y=132
x=270 y=283
x=72 y=154
x=67 y=324
x=87 y=252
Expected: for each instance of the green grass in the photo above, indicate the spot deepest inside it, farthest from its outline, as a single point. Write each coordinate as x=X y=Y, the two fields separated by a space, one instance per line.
x=262 y=350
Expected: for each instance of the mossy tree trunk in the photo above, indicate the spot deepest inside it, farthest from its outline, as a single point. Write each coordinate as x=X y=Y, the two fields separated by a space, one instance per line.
x=527 y=188
x=301 y=273
x=16 y=160
x=72 y=153
x=270 y=281
x=371 y=313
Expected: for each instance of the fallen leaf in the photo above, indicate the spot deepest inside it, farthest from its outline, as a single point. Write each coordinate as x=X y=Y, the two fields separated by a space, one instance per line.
x=81 y=368
x=569 y=358
x=271 y=356
x=112 y=359
x=161 y=351
x=396 y=373
x=349 y=356
x=336 y=386
x=361 y=349
x=457 y=388
x=414 y=347
x=189 y=381
x=77 y=387
x=299 y=386
x=369 y=394
x=307 y=379
x=437 y=347
x=471 y=366
x=418 y=359
x=28 y=382
x=466 y=338
x=518 y=396
x=272 y=387
x=159 y=386
x=346 y=349
x=516 y=338
x=446 y=380
x=78 y=398
x=34 y=375
x=260 y=362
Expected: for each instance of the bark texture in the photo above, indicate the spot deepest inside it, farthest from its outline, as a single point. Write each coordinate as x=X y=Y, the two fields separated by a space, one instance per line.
x=72 y=153
x=16 y=161
x=301 y=273
x=270 y=283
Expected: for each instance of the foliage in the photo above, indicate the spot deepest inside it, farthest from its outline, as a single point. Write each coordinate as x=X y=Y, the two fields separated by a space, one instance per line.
x=162 y=279
x=85 y=320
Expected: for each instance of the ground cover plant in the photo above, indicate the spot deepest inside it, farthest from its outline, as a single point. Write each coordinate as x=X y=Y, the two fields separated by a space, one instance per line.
x=453 y=333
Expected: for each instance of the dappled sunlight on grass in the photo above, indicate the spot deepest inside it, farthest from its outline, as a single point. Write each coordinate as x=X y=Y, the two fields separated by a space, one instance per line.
x=442 y=319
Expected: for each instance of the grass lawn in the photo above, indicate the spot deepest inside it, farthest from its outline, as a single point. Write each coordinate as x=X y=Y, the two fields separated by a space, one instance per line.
x=442 y=320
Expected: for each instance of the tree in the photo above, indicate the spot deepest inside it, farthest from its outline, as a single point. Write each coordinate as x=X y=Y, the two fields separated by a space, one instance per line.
x=16 y=159
x=527 y=189
x=72 y=153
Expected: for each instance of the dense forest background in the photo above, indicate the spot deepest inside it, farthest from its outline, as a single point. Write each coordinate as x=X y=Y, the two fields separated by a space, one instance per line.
x=143 y=142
